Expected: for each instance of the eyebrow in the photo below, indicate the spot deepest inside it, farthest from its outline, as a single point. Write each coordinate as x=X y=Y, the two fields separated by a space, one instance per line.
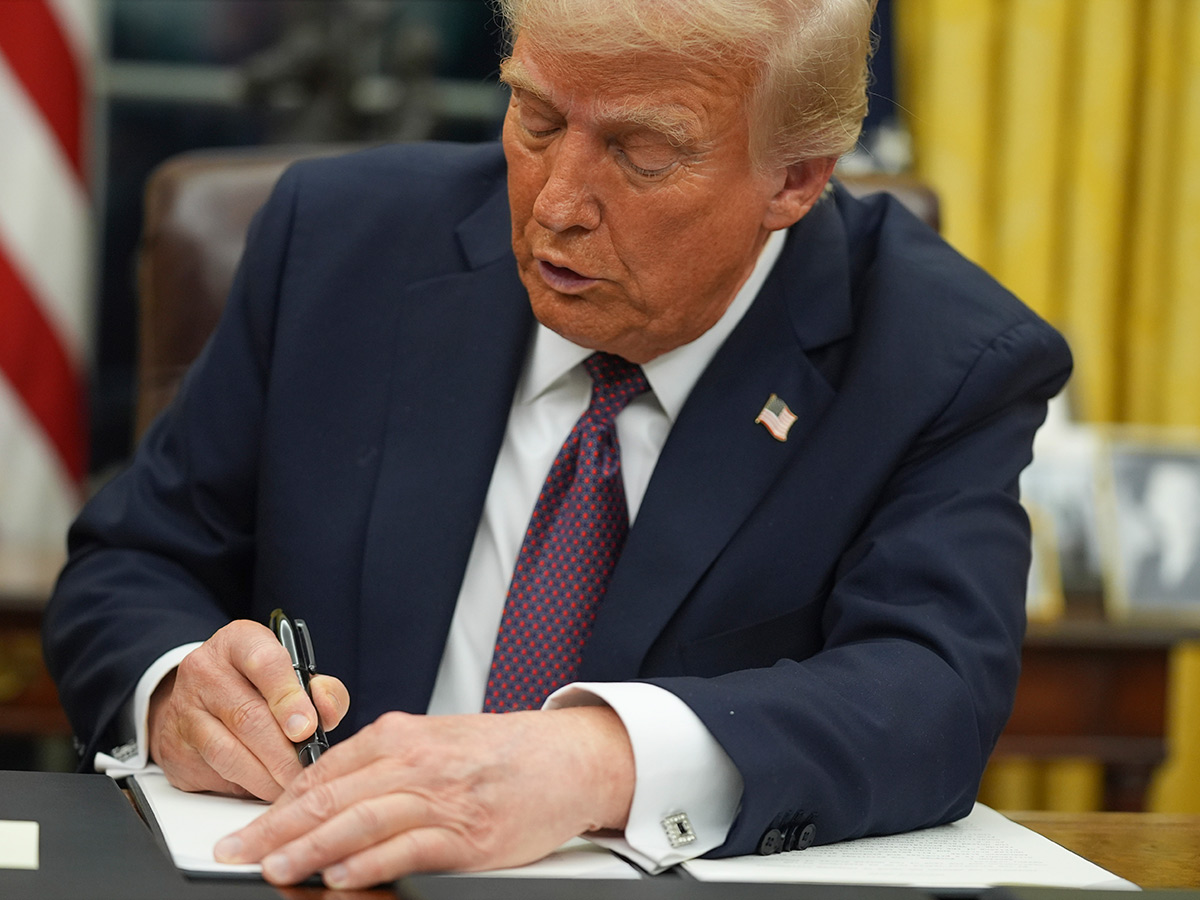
x=678 y=124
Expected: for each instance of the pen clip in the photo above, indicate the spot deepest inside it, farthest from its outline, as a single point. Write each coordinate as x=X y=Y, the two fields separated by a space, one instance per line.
x=305 y=656
x=285 y=630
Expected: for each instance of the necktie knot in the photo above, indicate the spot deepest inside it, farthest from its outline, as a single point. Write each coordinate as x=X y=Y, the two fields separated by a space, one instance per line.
x=615 y=381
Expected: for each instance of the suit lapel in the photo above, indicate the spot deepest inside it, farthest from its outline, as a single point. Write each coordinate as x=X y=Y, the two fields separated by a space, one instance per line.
x=460 y=344
x=718 y=463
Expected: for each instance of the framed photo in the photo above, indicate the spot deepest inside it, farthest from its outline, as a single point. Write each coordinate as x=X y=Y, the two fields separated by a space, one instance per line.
x=1150 y=503
x=1044 y=592
x=1060 y=486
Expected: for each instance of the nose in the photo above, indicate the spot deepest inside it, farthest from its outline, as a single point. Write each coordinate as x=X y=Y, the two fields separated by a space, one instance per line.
x=567 y=199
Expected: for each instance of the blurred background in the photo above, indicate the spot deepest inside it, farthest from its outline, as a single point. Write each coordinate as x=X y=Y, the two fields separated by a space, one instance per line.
x=1060 y=137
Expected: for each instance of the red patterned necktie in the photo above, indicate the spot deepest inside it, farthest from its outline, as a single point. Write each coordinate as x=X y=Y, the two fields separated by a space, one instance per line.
x=571 y=546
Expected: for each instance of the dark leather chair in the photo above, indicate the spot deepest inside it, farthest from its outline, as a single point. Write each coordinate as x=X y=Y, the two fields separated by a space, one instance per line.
x=198 y=206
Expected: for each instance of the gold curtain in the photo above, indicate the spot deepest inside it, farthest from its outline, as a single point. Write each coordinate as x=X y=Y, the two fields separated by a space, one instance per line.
x=1063 y=137
x=1176 y=786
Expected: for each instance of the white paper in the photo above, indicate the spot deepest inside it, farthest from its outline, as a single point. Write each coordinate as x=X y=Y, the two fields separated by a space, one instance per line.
x=18 y=844
x=192 y=824
x=982 y=850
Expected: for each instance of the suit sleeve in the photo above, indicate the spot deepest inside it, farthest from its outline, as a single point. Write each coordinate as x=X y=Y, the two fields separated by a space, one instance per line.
x=889 y=726
x=163 y=555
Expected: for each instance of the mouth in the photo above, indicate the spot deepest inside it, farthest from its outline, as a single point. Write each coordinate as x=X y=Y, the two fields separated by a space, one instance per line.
x=563 y=279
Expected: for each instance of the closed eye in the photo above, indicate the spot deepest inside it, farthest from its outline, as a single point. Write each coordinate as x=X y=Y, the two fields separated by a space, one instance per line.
x=536 y=132
x=644 y=172
x=646 y=158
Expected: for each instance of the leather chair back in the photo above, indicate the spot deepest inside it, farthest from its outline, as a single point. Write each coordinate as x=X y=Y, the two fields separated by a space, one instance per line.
x=198 y=207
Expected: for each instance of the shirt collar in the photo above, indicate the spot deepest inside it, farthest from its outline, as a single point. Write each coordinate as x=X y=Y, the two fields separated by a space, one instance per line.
x=672 y=375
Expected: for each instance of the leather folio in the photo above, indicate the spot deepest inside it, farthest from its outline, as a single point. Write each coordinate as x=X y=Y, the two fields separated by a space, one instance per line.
x=92 y=844
x=669 y=886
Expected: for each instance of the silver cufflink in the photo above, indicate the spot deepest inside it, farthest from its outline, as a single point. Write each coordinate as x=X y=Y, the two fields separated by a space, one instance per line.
x=125 y=751
x=679 y=830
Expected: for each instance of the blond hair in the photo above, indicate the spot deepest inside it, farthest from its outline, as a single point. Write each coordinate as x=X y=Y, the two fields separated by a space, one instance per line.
x=808 y=58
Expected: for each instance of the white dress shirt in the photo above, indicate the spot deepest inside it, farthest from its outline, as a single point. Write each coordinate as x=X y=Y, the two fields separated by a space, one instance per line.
x=680 y=768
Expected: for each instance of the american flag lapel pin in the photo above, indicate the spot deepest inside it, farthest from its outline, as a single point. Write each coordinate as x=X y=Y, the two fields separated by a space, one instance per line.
x=776 y=418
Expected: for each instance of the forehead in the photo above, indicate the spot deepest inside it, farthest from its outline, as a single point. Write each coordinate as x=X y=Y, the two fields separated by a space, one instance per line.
x=661 y=87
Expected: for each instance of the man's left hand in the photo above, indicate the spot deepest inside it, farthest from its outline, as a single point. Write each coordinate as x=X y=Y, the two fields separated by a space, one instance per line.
x=444 y=793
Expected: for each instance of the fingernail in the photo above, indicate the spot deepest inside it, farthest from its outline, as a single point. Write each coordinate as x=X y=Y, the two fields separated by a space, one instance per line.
x=296 y=727
x=228 y=849
x=277 y=868
x=336 y=876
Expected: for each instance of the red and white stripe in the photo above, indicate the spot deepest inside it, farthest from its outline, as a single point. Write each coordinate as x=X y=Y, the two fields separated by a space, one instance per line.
x=46 y=52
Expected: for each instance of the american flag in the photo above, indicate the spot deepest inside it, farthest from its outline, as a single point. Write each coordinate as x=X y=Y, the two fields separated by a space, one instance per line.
x=46 y=51
x=776 y=418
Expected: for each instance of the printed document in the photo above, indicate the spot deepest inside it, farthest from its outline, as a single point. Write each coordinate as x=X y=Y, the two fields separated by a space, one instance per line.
x=982 y=850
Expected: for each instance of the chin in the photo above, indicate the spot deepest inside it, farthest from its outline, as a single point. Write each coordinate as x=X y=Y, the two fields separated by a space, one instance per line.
x=564 y=326
x=587 y=322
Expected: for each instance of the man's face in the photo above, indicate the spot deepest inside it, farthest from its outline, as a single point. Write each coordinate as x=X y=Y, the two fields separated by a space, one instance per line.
x=636 y=211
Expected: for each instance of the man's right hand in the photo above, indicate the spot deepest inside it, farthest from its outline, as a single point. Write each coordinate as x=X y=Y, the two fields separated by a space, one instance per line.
x=225 y=720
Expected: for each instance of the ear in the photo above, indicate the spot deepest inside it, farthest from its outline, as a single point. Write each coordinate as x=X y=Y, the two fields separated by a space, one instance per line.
x=802 y=184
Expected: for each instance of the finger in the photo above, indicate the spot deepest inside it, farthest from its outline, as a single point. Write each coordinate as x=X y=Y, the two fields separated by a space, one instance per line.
x=199 y=777
x=195 y=725
x=257 y=654
x=351 y=831
x=184 y=767
x=313 y=799
x=273 y=710
x=432 y=849
x=331 y=699
x=353 y=755
x=245 y=717
x=231 y=761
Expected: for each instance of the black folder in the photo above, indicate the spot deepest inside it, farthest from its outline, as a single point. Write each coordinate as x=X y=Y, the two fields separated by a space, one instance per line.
x=92 y=845
x=661 y=887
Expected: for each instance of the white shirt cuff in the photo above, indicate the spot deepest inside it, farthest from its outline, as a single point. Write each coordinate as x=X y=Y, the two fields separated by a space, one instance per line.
x=134 y=754
x=680 y=769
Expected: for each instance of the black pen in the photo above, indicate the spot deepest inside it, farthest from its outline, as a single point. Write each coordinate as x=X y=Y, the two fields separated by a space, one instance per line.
x=293 y=634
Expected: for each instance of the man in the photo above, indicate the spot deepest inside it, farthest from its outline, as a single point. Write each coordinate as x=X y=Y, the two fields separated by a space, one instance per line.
x=812 y=630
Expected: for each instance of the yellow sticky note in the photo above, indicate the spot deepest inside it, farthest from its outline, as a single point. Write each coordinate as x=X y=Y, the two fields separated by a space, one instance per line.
x=18 y=845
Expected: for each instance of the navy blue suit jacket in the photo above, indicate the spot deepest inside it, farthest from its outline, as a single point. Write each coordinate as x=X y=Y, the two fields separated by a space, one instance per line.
x=844 y=610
